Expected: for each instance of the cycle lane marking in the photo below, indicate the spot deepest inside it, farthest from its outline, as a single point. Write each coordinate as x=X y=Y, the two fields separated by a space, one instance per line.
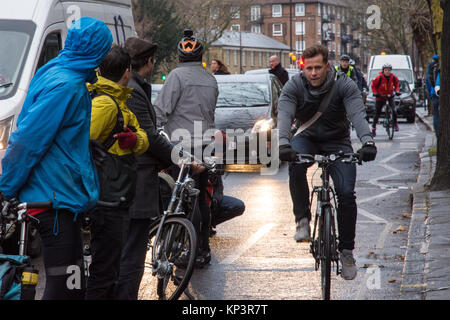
x=248 y=244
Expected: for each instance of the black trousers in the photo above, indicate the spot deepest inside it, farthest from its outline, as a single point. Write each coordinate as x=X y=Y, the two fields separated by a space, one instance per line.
x=108 y=235
x=344 y=179
x=378 y=106
x=229 y=208
x=63 y=255
x=133 y=259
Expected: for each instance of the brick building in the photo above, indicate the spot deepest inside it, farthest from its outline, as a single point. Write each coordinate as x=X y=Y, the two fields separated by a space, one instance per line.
x=301 y=24
x=243 y=51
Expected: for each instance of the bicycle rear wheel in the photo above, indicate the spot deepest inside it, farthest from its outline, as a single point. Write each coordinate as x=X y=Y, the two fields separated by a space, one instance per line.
x=325 y=263
x=175 y=259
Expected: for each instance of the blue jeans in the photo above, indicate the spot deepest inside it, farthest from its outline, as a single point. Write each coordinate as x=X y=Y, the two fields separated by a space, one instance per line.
x=344 y=179
x=435 y=100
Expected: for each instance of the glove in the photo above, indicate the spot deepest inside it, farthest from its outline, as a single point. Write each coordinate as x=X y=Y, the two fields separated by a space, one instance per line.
x=368 y=152
x=127 y=139
x=287 y=153
x=397 y=93
x=377 y=95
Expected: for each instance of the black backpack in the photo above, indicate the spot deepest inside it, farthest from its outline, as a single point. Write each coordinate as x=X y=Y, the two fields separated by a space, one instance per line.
x=117 y=174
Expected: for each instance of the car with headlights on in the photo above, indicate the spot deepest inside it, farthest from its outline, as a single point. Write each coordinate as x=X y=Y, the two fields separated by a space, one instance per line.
x=246 y=111
x=405 y=103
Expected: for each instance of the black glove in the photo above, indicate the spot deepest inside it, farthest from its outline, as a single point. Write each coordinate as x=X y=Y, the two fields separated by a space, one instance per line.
x=397 y=93
x=287 y=153
x=368 y=152
x=377 y=95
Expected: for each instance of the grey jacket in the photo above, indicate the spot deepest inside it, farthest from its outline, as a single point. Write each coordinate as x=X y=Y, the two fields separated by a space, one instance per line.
x=299 y=100
x=189 y=94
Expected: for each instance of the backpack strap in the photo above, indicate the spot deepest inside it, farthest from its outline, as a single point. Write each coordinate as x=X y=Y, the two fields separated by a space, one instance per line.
x=110 y=140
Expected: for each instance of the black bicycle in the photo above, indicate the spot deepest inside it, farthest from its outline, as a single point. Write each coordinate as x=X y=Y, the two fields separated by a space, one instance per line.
x=173 y=239
x=324 y=239
x=389 y=123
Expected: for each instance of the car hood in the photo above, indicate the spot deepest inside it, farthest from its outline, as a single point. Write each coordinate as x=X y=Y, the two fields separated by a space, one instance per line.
x=239 y=118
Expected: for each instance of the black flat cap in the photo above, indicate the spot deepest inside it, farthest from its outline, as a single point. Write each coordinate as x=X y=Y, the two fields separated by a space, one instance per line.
x=139 y=48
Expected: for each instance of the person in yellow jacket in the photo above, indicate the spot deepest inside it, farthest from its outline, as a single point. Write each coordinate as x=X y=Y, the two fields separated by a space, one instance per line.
x=108 y=224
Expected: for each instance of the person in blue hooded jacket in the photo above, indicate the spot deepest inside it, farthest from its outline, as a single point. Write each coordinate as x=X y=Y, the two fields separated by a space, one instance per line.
x=48 y=156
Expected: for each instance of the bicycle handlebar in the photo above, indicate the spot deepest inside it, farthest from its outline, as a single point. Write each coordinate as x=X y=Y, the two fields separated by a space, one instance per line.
x=323 y=159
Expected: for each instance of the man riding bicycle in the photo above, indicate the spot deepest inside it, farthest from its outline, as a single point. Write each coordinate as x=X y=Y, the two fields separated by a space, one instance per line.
x=330 y=133
x=383 y=85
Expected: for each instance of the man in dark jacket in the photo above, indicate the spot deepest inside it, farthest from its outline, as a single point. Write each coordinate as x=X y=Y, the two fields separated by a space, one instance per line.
x=277 y=70
x=146 y=202
x=300 y=99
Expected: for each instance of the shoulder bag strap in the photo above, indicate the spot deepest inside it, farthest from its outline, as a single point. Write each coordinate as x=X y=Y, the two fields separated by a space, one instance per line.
x=110 y=140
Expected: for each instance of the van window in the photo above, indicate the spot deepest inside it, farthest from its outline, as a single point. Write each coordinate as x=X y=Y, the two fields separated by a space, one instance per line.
x=51 y=48
x=402 y=74
x=15 y=40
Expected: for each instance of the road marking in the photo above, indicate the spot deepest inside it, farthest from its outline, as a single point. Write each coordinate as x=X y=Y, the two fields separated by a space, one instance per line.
x=248 y=244
x=381 y=195
x=371 y=216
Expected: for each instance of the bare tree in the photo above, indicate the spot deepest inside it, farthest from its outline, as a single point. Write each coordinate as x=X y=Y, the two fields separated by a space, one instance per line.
x=441 y=176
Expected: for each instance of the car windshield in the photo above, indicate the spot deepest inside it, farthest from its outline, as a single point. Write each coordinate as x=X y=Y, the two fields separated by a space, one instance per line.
x=402 y=74
x=404 y=87
x=243 y=94
x=15 y=37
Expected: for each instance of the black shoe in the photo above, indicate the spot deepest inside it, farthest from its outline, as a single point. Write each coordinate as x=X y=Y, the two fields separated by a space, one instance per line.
x=203 y=258
x=212 y=232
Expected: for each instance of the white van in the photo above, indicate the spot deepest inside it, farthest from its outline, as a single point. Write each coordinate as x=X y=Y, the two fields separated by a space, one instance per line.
x=33 y=32
x=401 y=66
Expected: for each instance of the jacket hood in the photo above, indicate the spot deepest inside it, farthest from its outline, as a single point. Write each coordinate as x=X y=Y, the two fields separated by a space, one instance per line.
x=119 y=92
x=318 y=91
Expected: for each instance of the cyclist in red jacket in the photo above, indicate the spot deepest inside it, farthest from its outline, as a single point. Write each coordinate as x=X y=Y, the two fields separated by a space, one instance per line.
x=384 y=84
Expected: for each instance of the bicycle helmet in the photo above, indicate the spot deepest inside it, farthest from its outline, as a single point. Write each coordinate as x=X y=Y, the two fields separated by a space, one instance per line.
x=345 y=57
x=190 y=48
x=386 y=65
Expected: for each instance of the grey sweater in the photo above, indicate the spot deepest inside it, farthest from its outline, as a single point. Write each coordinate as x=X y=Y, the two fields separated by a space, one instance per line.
x=299 y=100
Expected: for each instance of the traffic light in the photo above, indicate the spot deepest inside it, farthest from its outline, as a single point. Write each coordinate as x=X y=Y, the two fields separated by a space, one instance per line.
x=301 y=63
x=164 y=77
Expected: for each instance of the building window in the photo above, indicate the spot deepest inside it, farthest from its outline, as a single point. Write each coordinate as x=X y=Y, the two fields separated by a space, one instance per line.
x=267 y=58
x=256 y=28
x=236 y=27
x=334 y=28
x=214 y=13
x=299 y=9
x=260 y=59
x=318 y=9
x=255 y=13
x=319 y=28
x=252 y=58
x=338 y=13
x=276 y=10
x=235 y=13
x=277 y=29
x=339 y=49
x=235 y=57
x=244 y=59
x=300 y=46
x=227 y=57
x=300 y=28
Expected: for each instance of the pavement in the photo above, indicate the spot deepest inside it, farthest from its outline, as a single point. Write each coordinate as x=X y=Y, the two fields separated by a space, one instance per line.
x=426 y=272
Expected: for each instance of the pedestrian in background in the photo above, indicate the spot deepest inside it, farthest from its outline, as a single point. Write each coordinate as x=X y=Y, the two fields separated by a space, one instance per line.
x=277 y=70
x=218 y=67
x=431 y=77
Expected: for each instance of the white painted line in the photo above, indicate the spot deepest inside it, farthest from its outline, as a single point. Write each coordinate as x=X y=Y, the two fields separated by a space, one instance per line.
x=371 y=216
x=248 y=244
x=381 y=195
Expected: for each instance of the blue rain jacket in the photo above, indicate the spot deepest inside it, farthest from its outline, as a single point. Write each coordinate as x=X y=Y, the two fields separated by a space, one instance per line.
x=48 y=156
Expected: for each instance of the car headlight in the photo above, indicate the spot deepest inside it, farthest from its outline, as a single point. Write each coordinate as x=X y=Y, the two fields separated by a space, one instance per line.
x=263 y=125
x=5 y=131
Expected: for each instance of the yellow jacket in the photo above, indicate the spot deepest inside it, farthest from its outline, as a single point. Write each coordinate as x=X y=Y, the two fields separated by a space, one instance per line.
x=104 y=115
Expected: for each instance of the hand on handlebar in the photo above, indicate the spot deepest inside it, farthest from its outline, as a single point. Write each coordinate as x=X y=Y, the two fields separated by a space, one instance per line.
x=368 y=152
x=397 y=93
x=287 y=153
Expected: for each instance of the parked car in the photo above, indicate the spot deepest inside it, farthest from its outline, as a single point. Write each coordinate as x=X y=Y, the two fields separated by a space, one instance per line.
x=156 y=89
x=291 y=72
x=246 y=107
x=405 y=103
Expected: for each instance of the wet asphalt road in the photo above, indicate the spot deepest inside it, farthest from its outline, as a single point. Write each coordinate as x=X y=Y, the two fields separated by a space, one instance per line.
x=255 y=256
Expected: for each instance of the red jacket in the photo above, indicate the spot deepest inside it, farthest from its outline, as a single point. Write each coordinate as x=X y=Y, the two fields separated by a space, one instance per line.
x=380 y=85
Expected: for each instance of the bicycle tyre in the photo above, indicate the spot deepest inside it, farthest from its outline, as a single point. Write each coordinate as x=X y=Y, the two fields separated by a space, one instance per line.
x=179 y=253
x=325 y=263
x=390 y=122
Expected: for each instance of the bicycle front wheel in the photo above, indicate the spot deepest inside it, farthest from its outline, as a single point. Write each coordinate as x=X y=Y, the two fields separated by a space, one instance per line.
x=389 y=123
x=325 y=263
x=172 y=268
